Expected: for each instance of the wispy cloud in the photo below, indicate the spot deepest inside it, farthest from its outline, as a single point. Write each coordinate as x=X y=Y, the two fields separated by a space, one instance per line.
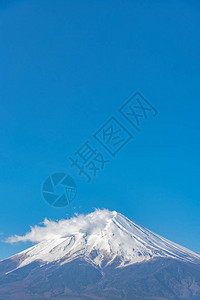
x=50 y=230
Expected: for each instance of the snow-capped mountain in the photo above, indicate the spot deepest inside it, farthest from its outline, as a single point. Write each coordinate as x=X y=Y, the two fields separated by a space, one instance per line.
x=115 y=237
x=102 y=255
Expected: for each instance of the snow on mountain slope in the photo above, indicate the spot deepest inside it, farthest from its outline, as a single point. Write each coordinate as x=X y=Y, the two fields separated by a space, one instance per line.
x=99 y=238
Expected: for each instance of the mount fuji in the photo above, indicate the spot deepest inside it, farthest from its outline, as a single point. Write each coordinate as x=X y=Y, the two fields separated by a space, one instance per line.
x=102 y=255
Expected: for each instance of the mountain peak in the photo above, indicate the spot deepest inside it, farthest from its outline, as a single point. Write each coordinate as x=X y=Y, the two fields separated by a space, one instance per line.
x=99 y=238
x=101 y=255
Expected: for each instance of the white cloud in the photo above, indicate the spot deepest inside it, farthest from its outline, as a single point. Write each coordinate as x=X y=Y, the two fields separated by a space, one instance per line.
x=51 y=229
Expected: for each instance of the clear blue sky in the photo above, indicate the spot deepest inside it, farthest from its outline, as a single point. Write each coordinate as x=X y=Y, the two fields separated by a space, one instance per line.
x=65 y=68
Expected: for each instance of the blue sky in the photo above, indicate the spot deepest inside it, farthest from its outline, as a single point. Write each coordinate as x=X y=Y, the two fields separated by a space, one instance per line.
x=66 y=67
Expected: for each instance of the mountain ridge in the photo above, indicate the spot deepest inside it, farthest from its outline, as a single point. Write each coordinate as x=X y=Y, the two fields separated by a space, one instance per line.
x=115 y=237
x=100 y=256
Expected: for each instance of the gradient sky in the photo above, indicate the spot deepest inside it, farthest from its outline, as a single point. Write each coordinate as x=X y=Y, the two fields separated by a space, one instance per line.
x=65 y=68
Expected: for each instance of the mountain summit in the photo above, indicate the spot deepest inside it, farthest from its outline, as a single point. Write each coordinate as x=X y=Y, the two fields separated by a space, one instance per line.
x=92 y=248
x=103 y=237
